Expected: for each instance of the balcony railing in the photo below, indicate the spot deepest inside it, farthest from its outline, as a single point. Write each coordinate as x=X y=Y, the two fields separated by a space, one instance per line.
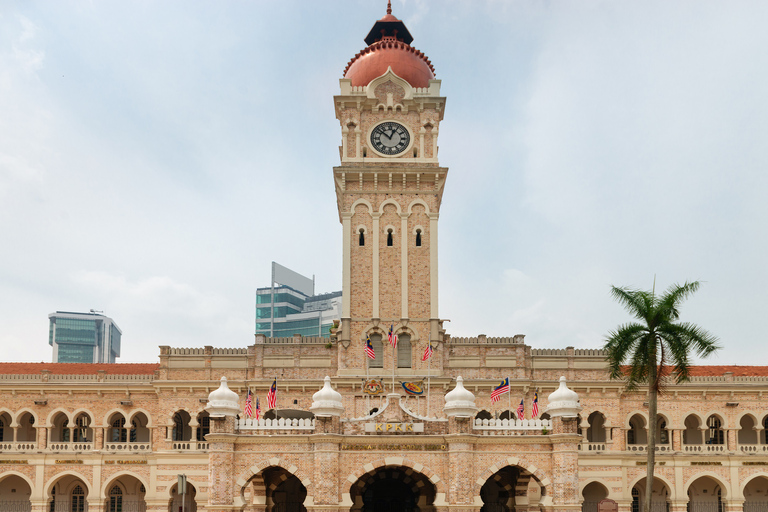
x=506 y=424
x=128 y=447
x=57 y=446
x=644 y=448
x=190 y=445
x=592 y=447
x=18 y=446
x=704 y=448
x=753 y=448
x=276 y=424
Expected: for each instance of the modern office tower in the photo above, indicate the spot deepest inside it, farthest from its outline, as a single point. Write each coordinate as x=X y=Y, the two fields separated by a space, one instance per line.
x=83 y=337
x=289 y=306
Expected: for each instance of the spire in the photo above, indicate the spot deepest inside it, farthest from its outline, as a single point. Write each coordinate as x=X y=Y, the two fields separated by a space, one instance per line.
x=388 y=26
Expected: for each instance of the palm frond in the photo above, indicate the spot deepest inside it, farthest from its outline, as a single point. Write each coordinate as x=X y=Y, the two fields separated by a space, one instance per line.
x=634 y=301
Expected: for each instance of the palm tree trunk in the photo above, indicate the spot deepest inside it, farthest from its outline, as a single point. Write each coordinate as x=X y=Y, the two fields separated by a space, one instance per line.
x=653 y=393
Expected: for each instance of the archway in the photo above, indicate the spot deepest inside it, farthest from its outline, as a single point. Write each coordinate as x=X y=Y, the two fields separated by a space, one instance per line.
x=68 y=494
x=393 y=489
x=756 y=495
x=705 y=494
x=593 y=493
x=511 y=489
x=188 y=504
x=274 y=489
x=659 y=496
x=125 y=494
x=15 y=493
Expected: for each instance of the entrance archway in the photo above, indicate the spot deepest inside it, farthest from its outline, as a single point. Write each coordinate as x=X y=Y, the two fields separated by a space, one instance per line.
x=511 y=489
x=393 y=489
x=593 y=493
x=15 y=493
x=187 y=499
x=274 y=489
x=68 y=494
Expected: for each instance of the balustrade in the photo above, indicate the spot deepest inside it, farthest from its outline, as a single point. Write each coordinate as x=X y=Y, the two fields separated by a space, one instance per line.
x=128 y=447
x=190 y=445
x=70 y=447
x=507 y=424
x=19 y=446
x=276 y=424
x=644 y=448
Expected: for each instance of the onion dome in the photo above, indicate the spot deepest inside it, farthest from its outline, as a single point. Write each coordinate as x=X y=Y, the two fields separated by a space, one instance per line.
x=327 y=401
x=460 y=402
x=563 y=402
x=223 y=401
x=389 y=46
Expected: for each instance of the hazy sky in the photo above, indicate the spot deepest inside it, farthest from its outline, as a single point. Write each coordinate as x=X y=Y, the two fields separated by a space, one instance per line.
x=155 y=157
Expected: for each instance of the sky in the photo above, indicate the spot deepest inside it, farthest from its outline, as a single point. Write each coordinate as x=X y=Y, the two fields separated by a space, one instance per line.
x=156 y=157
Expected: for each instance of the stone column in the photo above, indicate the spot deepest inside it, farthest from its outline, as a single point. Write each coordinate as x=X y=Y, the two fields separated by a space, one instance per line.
x=565 y=463
x=735 y=505
x=98 y=438
x=677 y=440
x=221 y=457
x=325 y=473
x=460 y=482
x=42 y=438
x=731 y=436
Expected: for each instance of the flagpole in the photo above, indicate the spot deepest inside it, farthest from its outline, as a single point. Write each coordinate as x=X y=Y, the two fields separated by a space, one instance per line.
x=509 y=399
x=429 y=370
x=367 y=396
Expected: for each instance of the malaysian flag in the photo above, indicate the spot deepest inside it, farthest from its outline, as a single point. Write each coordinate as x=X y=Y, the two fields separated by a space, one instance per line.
x=248 y=411
x=535 y=405
x=272 y=395
x=500 y=390
x=369 y=348
x=427 y=352
x=392 y=336
x=258 y=409
x=521 y=410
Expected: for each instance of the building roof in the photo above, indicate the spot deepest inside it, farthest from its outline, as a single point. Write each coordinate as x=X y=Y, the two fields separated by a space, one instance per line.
x=389 y=45
x=79 y=368
x=738 y=371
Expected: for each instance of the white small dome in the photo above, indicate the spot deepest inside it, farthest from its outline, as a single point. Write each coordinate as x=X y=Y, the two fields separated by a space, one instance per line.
x=460 y=402
x=563 y=402
x=223 y=401
x=327 y=401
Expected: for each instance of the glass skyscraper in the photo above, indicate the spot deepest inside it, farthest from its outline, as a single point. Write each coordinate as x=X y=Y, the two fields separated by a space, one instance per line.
x=83 y=338
x=289 y=306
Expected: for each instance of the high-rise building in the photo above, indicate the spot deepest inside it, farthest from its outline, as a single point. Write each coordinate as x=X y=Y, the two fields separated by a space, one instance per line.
x=83 y=338
x=289 y=306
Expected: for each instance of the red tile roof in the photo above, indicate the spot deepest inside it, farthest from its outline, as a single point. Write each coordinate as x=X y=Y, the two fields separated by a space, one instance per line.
x=79 y=368
x=738 y=371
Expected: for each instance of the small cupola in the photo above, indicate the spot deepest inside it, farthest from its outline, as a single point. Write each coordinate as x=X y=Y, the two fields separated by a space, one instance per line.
x=223 y=401
x=327 y=401
x=563 y=402
x=460 y=402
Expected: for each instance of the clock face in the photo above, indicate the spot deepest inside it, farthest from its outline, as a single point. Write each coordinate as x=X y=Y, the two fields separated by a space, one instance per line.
x=390 y=138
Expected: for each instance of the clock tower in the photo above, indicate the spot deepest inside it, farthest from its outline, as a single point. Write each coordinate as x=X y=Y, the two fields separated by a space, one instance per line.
x=389 y=188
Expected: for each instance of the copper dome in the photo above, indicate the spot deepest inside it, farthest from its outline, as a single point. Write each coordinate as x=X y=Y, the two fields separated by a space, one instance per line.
x=389 y=45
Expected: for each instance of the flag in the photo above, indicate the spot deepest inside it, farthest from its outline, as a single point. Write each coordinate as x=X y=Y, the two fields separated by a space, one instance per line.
x=535 y=405
x=248 y=405
x=272 y=395
x=427 y=352
x=258 y=409
x=369 y=348
x=521 y=410
x=500 y=390
x=392 y=336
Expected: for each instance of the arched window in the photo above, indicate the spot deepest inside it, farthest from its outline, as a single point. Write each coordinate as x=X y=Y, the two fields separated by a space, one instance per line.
x=361 y=238
x=390 y=240
x=663 y=432
x=203 y=425
x=378 y=349
x=52 y=505
x=78 y=499
x=404 y=351
x=117 y=432
x=178 y=428
x=635 y=500
x=716 y=434
x=116 y=499
x=418 y=238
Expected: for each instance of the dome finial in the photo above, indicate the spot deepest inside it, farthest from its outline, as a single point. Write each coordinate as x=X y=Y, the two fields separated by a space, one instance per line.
x=389 y=6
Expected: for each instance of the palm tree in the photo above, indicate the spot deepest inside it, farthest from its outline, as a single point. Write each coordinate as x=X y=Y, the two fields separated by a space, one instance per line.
x=654 y=346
